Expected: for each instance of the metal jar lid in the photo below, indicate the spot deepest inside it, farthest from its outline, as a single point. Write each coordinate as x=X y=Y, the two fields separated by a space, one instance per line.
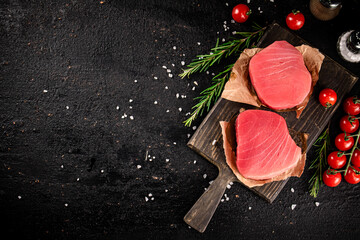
x=331 y=3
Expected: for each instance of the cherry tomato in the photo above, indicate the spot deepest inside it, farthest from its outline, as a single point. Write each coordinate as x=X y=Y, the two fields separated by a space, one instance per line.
x=352 y=106
x=295 y=20
x=240 y=13
x=331 y=178
x=349 y=124
x=342 y=143
x=355 y=159
x=335 y=161
x=351 y=176
x=327 y=97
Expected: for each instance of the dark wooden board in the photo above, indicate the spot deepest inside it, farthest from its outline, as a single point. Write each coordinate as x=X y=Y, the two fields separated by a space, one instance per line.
x=312 y=121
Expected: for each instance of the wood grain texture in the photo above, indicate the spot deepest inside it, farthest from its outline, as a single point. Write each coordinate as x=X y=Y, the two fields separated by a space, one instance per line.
x=312 y=121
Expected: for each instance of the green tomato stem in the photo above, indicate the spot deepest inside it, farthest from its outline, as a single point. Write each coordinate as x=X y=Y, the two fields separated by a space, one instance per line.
x=352 y=150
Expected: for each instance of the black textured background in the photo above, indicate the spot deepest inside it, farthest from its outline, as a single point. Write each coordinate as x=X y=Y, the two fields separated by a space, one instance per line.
x=69 y=155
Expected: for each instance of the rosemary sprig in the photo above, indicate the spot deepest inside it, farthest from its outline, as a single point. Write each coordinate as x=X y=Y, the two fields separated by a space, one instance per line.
x=319 y=163
x=202 y=62
x=209 y=95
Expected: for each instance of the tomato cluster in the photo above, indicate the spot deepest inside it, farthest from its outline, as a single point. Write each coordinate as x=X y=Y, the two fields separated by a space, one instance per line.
x=348 y=145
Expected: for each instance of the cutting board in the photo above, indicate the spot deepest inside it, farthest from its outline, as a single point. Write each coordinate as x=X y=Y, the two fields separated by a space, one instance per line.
x=207 y=140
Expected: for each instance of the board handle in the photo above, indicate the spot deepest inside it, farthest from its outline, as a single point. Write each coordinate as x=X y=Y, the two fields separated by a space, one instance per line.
x=201 y=213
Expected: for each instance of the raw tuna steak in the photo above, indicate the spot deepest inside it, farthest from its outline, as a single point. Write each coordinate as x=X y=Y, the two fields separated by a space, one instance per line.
x=265 y=148
x=279 y=76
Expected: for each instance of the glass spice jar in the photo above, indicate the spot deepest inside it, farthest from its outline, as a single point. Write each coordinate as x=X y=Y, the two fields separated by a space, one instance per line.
x=348 y=46
x=325 y=9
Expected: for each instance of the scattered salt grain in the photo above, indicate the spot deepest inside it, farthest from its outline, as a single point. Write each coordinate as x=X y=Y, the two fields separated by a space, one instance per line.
x=131 y=117
x=223 y=39
x=231 y=183
x=117 y=107
x=102 y=171
x=130 y=107
x=152 y=199
x=19 y=197
x=164 y=67
x=170 y=75
x=177 y=95
x=259 y=8
x=198 y=43
x=213 y=74
x=189 y=227
x=66 y=204
x=194 y=127
x=67 y=107
x=261 y=11
x=226 y=4
x=207 y=72
x=146 y=199
x=193 y=89
x=62 y=166
x=248 y=1
x=228 y=186
x=166 y=87
x=174 y=143
x=232 y=21
x=45 y=91
x=78 y=179
x=153 y=157
x=138 y=166
x=168 y=70
x=222 y=200
x=166 y=190
x=130 y=100
x=188 y=135
x=234 y=32
x=211 y=182
x=194 y=161
x=205 y=189
x=317 y=204
x=182 y=63
x=150 y=194
x=271 y=0
x=196 y=83
x=213 y=142
x=293 y=206
x=135 y=81
x=155 y=78
x=183 y=54
x=204 y=176
x=167 y=160
x=155 y=102
x=167 y=110
x=174 y=47
x=249 y=208
x=183 y=96
x=173 y=64
x=180 y=109
x=292 y=190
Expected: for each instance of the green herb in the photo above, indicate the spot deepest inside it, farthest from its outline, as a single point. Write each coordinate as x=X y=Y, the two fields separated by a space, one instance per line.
x=319 y=164
x=204 y=62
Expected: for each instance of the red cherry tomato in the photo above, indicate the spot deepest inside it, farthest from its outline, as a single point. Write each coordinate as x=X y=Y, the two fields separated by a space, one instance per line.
x=352 y=106
x=331 y=178
x=349 y=124
x=335 y=161
x=240 y=13
x=327 y=97
x=295 y=20
x=355 y=159
x=342 y=143
x=351 y=176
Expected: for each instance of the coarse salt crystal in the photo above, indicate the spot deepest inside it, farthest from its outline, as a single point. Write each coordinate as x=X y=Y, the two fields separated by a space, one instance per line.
x=211 y=182
x=317 y=204
x=152 y=199
x=166 y=87
x=248 y=1
x=167 y=160
x=249 y=208
x=231 y=183
x=130 y=100
x=19 y=197
x=45 y=91
x=164 y=67
x=66 y=204
x=194 y=127
x=196 y=83
x=193 y=88
x=234 y=32
x=194 y=161
x=223 y=39
x=207 y=72
x=174 y=143
x=182 y=63
x=180 y=109
x=67 y=107
x=135 y=81
x=173 y=64
x=271 y=0
x=166 y=190
x=155 y=78
x=222 y=200
x=293 y=206
x=204 y=176
x=131 y=117
x=292 y=190
x=226 y=4
x=198 y=43
x=213 y=74
x=146 y=199
x=62 y=166
x=170 y=75
x=168 y=70
x=183 y=96
x=78 y=179
x=150 y=194
x=102 y=171
x=138 y=166
x=177 y=95
x=228 y=186
x=153 y=157
x=117 y=107
x=232 y=21
x=213 y=142
x=155 y=102
x=167 y=110
x=174 y=47
x=130 y=107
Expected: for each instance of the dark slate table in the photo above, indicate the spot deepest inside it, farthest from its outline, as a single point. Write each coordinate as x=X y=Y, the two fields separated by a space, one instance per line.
x=93 y=145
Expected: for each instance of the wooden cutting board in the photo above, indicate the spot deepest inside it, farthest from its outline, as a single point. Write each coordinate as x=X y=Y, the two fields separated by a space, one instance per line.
x=207 y=140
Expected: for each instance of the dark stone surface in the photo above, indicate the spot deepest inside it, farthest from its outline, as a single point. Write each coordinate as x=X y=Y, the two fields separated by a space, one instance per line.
x=73 y=158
